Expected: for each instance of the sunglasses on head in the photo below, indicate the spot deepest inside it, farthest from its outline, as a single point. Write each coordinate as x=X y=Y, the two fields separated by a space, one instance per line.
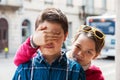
x=96 y=32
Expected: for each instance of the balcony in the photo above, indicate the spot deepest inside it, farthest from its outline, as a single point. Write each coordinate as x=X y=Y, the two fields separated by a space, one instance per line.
x=11 y=3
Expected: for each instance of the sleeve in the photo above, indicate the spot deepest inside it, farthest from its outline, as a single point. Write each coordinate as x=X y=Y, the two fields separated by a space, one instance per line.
x=94 y=73
x=99 y=75
x=16 y=76
x=24 y=53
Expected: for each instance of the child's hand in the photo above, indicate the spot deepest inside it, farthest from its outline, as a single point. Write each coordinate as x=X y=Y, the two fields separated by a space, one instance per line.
x=43 y=36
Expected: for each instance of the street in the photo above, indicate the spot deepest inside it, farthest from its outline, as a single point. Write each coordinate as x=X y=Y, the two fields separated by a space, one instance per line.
x=7 y=68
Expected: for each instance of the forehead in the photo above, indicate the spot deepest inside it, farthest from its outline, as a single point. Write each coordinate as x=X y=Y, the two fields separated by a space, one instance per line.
x=84 y=41
x=52 y=25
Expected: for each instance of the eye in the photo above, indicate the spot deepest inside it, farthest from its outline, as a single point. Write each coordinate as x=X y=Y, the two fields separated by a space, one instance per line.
x=77 y=46
x=88 y=52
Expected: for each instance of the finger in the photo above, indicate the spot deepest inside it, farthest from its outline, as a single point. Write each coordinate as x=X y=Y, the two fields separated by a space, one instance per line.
x=55 y=32
x=41 y=28
x=50 y=41
x=52 y=37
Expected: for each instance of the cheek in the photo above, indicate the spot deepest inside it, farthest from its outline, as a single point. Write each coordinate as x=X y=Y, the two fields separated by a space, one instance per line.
x=89 y=58
x=59 y=42
x=75 y=51
x=61 y=39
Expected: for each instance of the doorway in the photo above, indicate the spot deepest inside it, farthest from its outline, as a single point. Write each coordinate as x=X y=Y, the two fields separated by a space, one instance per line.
x=3 y=34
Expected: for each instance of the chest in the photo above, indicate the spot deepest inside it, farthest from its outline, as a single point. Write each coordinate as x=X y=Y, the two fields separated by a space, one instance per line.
x=49 y=73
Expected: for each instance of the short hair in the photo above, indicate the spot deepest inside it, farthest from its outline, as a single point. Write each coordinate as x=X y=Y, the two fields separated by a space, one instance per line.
x=53 y=15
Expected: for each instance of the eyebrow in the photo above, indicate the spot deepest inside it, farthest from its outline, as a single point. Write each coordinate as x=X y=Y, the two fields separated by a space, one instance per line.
x=77 y=44
x=91 y=49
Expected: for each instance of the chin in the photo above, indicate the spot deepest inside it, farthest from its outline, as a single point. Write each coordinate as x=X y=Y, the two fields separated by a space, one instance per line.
x=81 y=63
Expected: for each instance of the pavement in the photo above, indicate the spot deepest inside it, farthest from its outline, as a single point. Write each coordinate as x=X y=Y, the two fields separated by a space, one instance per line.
x=7 y=67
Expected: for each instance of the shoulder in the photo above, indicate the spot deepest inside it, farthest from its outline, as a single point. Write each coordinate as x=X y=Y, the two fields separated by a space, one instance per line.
x=95 y=69
x=76 y=70
x=74 y=65
x=94 y=72
x=24 y=66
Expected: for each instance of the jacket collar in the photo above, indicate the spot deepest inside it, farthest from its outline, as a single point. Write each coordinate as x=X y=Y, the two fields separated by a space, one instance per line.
x=60 y=60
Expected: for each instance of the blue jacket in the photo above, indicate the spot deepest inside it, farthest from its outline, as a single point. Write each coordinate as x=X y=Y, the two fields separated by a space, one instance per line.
x=38 y=69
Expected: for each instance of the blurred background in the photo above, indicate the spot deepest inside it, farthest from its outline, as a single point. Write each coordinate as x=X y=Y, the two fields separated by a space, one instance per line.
x=17 y=22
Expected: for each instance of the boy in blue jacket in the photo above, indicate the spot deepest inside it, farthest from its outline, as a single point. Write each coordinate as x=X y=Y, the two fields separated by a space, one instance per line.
x=50 y=63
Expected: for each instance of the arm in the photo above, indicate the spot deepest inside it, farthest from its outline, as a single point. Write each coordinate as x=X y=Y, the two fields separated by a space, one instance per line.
x=24 y=53
x=30 y=46
x=16 y=76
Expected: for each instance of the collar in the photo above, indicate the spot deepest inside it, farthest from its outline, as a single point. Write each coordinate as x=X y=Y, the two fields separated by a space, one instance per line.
x=61 y=60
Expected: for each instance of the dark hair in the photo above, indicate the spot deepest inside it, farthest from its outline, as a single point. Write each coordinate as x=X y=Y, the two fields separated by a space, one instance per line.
x=99 y=43
x=53 y=15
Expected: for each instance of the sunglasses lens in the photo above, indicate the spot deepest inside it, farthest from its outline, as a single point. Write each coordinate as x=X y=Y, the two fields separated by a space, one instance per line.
x=87 y=28
x=99 y=34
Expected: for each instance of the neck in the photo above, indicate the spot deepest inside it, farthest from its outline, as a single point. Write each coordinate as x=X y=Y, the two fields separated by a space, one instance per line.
x=86 y=66
x=51 y=58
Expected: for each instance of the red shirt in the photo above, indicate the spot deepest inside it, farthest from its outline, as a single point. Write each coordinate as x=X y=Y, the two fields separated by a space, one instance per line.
x=94 y=73
x=24 y=53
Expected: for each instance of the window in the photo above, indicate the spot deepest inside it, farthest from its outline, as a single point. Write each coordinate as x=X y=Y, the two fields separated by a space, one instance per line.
x=0 y=35
x=90 y=7
x=5 y=34
x=26 y=30
x=70 y=30
x=104 y=4
x=69 y=2
x=28 y=0
x=48 y=1
x=84 y=2
x=68 y=40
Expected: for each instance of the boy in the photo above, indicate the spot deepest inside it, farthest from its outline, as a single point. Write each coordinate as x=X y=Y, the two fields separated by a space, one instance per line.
x=50 y=63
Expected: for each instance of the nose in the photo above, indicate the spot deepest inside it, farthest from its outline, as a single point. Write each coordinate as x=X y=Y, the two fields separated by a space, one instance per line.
x=51 y=43
x=80 y=54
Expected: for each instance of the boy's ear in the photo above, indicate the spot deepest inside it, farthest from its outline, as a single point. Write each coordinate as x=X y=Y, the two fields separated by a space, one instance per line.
x=66 y=34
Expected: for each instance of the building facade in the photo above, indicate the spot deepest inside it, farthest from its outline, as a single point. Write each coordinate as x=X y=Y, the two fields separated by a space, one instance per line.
x=17 y=17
